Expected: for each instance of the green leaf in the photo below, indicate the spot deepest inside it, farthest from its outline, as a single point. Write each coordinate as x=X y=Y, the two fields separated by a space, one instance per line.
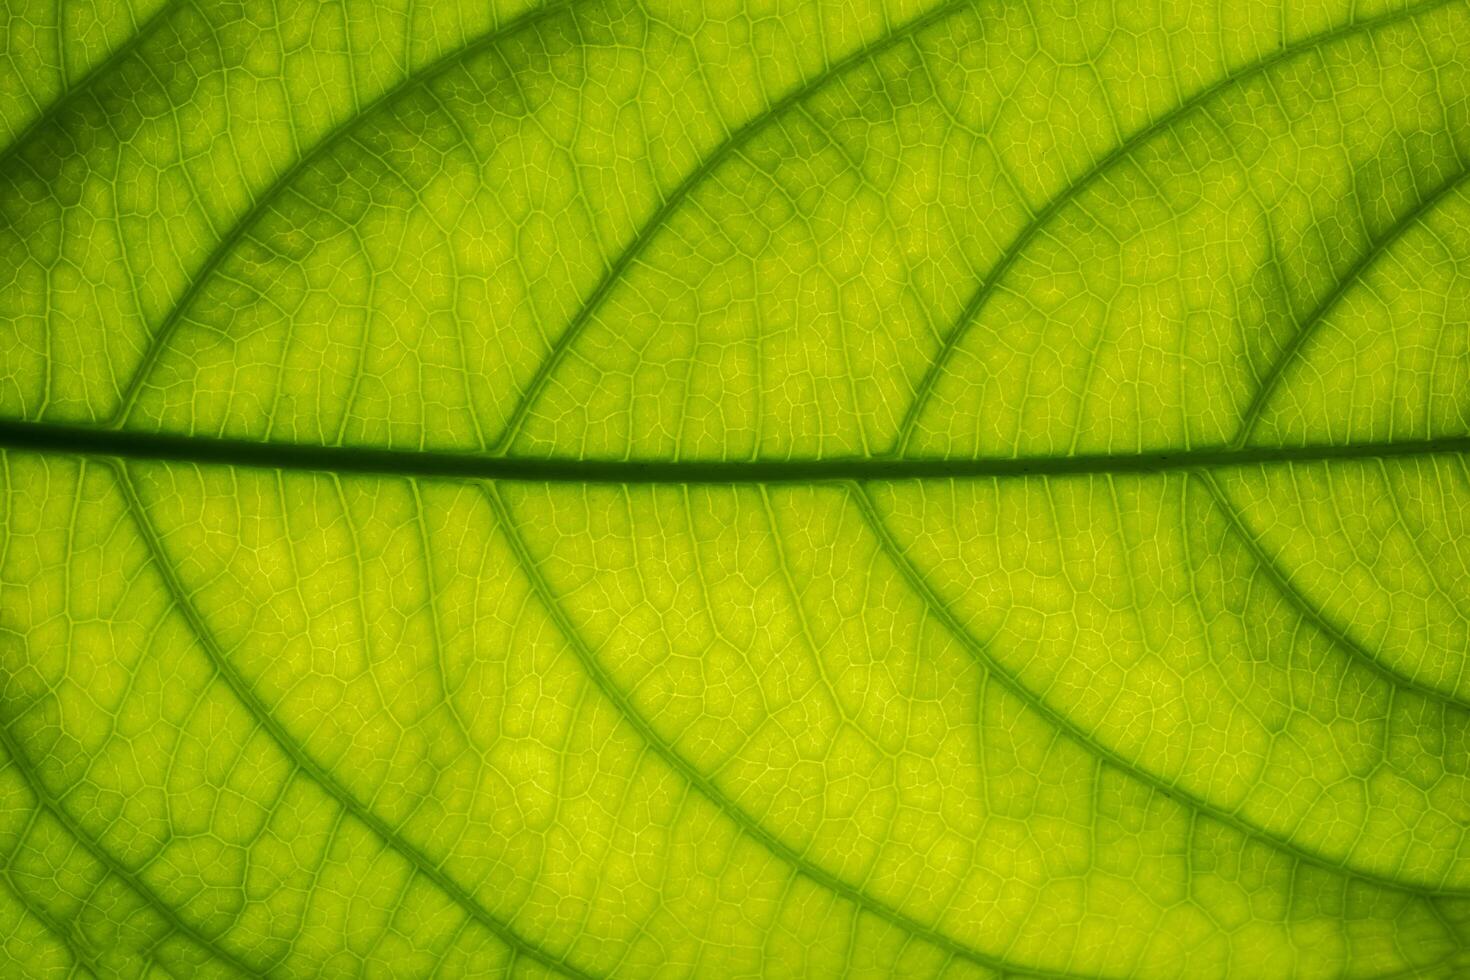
x=939 y=489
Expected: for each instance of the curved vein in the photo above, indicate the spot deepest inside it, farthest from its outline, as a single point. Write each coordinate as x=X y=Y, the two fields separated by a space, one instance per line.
x=237 y=231
x=1377 y=248
x=301 y=759
x=704 y=786
x=1294 y=597
x=83 y=959
x=110 y=864
x=81 y=86
x=1074 y=188
x=1066 y=726
x=672 y=202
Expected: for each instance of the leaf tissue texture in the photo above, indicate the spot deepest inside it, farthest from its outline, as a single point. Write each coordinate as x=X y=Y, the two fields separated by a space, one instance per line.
x=792 y=488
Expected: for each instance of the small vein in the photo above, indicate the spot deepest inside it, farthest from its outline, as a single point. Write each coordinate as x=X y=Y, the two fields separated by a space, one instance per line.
x=83 y=958
x=1377 y=248
x=1298 y=601
x=256 y=708
x=646 y=232
x=81 y=86
x=92 y=846
x=702 y=784
x=237 y=231
x=931 y=599
x=997 y=272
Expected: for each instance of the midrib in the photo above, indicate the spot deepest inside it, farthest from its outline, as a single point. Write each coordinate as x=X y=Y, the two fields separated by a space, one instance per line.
x=51 y=438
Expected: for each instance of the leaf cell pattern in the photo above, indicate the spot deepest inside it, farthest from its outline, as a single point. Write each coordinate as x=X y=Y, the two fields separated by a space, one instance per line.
x=597 y=488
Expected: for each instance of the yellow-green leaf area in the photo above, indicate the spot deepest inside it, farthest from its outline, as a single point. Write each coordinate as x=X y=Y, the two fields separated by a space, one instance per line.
x=602 y=488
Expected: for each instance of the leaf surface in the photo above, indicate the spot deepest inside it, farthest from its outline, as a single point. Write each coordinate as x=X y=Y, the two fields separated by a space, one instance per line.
x=588 y=488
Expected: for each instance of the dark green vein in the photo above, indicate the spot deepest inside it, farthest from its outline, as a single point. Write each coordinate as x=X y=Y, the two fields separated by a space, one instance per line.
x=165 y=447
x=53 y=112
x=111 y=865
x=65 y=935
x=936 y=605
x=1018 y=245
x=675 y=198
x=1278 y=577
x=1376 y=249
x=432 y=871
x=704 y=785
x=227 y=243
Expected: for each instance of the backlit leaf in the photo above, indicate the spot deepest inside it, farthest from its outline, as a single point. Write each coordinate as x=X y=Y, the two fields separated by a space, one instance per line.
x=596 y=488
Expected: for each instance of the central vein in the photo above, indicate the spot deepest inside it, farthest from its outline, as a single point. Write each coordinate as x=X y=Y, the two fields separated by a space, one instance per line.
x=94 y=441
